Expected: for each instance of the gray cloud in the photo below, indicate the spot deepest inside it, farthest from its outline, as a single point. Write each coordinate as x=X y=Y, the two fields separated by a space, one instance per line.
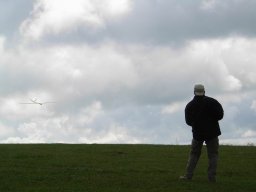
x=124 y=81
x=171 y=22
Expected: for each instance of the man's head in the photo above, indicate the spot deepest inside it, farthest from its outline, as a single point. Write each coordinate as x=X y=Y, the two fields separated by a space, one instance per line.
x=199 y=90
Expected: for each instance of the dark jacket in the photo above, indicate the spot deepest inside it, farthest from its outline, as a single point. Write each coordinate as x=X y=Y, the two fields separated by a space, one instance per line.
x=203 y=114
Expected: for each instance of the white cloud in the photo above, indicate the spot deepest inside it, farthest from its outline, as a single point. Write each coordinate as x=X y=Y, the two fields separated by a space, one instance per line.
x=6 y=131
x=249 y=134
x=72 y=128
x=64 y=16
x=12 y=109
x=239 y=59
x=232 y=83
x=113 y=8
x=57 y=128
x=174 y=108
x=90 y=113
x=238 y=141
x=115 y=134
x=208 y=4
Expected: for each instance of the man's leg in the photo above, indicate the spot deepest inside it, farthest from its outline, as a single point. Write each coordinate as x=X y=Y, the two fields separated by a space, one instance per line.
x=194 y=156
x=212 y=151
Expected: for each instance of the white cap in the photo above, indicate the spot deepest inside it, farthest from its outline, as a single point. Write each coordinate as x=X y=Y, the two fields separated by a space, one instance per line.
x=199 y=89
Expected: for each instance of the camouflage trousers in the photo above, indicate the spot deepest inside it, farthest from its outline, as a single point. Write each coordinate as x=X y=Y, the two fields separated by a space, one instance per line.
x=212 y=152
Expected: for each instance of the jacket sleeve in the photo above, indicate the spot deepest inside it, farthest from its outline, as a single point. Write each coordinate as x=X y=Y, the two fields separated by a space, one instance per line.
x=188 y=117
x=218 y=110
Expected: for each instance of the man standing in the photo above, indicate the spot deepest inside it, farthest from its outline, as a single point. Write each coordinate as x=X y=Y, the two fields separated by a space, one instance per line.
x=203 y=114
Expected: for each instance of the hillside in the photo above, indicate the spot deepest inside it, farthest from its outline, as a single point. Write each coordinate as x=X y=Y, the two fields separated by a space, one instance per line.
x=131 y=168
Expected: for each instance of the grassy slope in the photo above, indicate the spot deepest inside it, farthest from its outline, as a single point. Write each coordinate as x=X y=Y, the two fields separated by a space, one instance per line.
x=100 y=168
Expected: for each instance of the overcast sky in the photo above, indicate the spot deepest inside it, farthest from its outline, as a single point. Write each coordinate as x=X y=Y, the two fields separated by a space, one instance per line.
x=122 y=71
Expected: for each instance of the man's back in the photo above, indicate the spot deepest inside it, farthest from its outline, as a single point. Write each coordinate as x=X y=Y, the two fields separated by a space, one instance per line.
x=203 y=114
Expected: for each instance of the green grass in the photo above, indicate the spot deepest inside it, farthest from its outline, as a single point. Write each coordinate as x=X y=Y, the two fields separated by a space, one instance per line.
x=125 y=168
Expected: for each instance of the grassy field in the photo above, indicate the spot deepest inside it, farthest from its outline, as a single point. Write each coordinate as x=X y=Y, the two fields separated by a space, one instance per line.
x=125 y=168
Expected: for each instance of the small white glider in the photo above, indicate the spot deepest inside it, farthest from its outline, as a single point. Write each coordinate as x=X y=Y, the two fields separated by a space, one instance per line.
x=34 y=101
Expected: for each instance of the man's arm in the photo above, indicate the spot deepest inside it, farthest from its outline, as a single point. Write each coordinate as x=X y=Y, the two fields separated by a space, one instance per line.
x=218 y=110
x=188 y=116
